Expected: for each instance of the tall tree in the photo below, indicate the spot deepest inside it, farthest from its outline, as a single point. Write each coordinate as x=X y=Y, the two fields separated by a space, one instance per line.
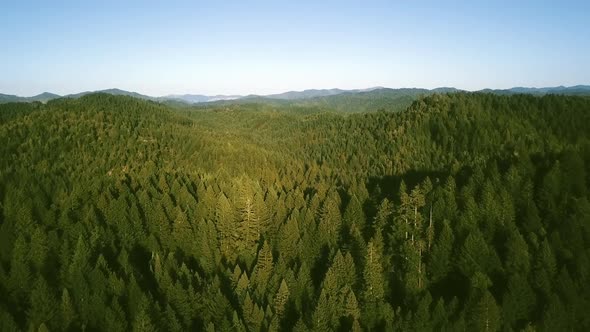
x=281 y=299
x=373 y=275
x=226 y=227
x=42 y=309
x=485 y=315
x=263 y=269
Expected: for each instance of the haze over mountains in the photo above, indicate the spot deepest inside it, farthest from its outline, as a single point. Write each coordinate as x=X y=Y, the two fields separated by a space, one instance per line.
x=303 y=95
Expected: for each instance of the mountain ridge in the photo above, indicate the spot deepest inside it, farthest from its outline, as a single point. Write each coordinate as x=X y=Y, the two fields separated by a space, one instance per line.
x=293 y=95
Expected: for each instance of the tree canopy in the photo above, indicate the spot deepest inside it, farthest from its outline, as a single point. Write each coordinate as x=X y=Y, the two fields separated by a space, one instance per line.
x=463 y=211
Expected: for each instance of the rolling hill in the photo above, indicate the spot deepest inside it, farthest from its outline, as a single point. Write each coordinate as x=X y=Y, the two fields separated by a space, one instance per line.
x=358 y=100
x=463 y=211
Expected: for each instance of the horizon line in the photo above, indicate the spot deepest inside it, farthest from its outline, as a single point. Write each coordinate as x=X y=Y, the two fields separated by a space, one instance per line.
x=293 y=90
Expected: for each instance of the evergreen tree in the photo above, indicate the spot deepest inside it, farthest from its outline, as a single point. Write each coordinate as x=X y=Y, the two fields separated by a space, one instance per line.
x=485 y=315
x=373 y=275
x=440 y=257
x=19 y=281
x=281 y=299
x=226 y=227
x=263 y=269
x=67 y=310
x=330 y=222
x=42 y=308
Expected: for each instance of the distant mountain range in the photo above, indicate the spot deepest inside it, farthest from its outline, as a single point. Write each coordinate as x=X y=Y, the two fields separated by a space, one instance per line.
x=561 y=90
x=312 y=95
x=44 y=97
x=115 y=92
x=194 y=99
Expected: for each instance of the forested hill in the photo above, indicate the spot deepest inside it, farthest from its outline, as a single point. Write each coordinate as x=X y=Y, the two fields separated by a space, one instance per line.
x=363 y=100
x=466 y=211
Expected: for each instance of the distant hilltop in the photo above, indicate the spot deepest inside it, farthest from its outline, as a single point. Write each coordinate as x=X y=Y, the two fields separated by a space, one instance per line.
x=300 y=95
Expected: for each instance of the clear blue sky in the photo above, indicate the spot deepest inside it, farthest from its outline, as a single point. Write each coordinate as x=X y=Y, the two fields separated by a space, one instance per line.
x=242 y=47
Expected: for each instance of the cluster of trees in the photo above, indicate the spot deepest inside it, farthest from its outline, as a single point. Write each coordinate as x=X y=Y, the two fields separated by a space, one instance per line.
x=392 y=100
x=463 y=212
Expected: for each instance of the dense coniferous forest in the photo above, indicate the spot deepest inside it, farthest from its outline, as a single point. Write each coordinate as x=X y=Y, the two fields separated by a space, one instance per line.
x=463 y=212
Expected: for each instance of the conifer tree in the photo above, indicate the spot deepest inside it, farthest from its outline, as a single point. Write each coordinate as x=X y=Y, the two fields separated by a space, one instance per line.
x=281 y=299
x=484 y=315
x=330 y=222
x=67 y=310
x=42 y=308
x=20 y=278
x=440 y=257
x=226 y=227
x=322 y=316
x=288 y=242
x=354 y=215
x=263 y=268
x=373 y=275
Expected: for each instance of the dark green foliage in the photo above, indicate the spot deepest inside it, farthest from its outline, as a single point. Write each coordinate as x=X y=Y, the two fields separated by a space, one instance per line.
x=462 y=212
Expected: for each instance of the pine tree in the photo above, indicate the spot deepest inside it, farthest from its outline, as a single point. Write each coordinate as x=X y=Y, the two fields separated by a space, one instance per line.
x=237 y=324
x=207 y=246
x=404 y=214
x=253 y=315
x=250 y=221
x=351 y=308
x=384 y=212
x=156 y=266
x=289 y=239
x=300 y=326
x=262 y=269
x=182 y=231
x=545 y=269
x=373 y=275
x=171 y=321
x=421 y=318
x=518 y=301
x=473 y=256
x=281 y=299
x=243 y=285
x=343 y=272
x=417 y=201
x=330 y=223
x=158 y=217
x=322 y=316
x=439 y=316
x=235 y=275
x=39 y=249
x=67 y=310
x=264 y=213
x=42 y=308
x=19 y=281
x=226 y=227
x=440 y=257
x=446 y=205
x=485 y=315
x=517 y=254
x=354 y=215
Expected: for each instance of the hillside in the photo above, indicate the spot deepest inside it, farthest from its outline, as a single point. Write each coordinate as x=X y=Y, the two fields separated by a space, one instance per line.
x=43 y=97
x=114 y=92
x=577 y=90
x=382 y=210
x=357 y=100
x=374 y=100
x=338 y=100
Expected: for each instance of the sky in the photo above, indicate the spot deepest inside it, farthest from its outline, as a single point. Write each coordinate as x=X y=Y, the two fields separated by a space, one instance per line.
x=262 y=47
